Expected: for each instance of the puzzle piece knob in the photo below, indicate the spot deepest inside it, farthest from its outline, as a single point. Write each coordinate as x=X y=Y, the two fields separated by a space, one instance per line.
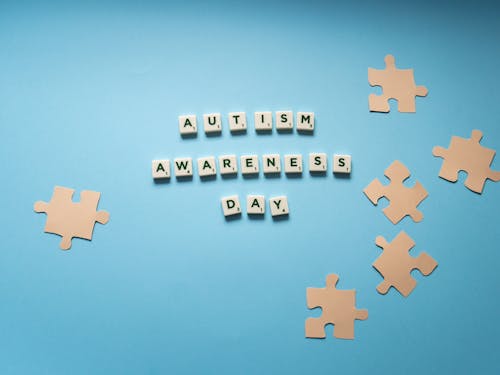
x=102 y=217
x=390 y=62
x=421 y=91
x=331 y=280
x=362 y=314
x=40 y=206
x=383 y=287
x=476 y=135
x=65 y=243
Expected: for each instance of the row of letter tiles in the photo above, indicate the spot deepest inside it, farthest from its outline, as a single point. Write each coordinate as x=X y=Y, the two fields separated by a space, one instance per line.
x=212 y=123
x=271 y=163
x=256 y=205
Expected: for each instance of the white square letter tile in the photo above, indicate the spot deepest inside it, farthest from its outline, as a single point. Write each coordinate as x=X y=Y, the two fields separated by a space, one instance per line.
x=228 y=164
x=206 y=166
x=279 y=206
x=284 y=120
x=237 y=121
x=161 y=168
x=249 y=164
x=263 y=121
x=341 y=163
x=293 y=163
x=212 y=123
x=271 y=163
x=183 y=167
x=231 y=205
x=317 y=162
x=305 y=121
x=187 y=124
x=256 y=204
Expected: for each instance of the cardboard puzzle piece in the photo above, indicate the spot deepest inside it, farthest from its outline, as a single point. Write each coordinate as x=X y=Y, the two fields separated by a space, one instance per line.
x=338 y=308
x=467 y=155
x=395 y=264
x=396 y=84
x=403 y=200
x=69 y=219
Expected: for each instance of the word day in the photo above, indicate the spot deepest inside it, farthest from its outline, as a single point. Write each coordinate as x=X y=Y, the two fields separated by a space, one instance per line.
x=256 y=205
x=249 y=165
x=263 y=122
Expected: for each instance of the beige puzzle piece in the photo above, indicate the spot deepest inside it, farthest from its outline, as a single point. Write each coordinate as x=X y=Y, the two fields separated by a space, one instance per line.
x=403 y=200
x=396 y=84
x=395 y=264
x=338 y=308
x=467 y=155
x=69 y=219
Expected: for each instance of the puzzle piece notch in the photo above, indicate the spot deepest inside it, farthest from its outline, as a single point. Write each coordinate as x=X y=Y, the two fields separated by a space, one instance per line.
x=396 y=84
x=403 y=200
x=469 y=156
x=395 y=264
x=338 y=308
x=69 y=219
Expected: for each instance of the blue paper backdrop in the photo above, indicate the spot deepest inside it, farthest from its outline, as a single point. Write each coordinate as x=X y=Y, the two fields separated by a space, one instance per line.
x=90 y=94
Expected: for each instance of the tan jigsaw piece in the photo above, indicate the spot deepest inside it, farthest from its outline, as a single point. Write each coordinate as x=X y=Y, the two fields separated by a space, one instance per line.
x=338 y=308
x=395 y=264
x=396 y=84
x=467 y=155
x=69 y=219
x=403 y=200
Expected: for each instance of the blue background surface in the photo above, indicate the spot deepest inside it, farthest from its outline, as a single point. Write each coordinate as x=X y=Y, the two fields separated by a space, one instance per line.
x=90 y=94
